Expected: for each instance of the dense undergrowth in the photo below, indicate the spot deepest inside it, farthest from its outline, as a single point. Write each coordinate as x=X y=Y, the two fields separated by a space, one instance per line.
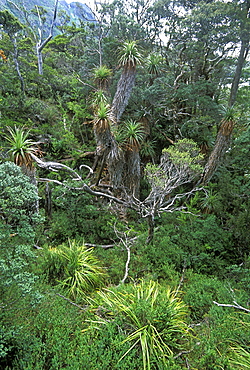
x=60 y=320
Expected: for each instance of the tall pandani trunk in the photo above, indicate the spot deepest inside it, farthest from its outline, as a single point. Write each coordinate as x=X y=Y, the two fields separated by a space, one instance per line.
x=224 y=135
x=222 y=144
x=103 y=138
x=115 y=161
x=123 y=92
x=132 y=172
x=108 y=152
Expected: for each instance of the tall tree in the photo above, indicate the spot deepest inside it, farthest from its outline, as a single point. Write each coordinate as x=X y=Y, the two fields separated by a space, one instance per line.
x=224 y=135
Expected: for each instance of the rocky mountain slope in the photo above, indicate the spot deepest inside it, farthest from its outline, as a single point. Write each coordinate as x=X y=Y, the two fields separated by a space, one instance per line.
x=76 y=11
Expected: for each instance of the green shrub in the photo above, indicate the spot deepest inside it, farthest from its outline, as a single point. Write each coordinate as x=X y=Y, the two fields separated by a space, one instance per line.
x=17 y=233
x=78 y=215
x=198 y=242
x=8 y=346
x=200 y=291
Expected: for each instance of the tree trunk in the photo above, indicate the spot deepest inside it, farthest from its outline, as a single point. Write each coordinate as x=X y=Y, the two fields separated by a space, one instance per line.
x=39 y=60
x=222 y=143
x=15 y=57
x=48 y=202
x=108 y=151
x=115 y=161
x=240 y=63
x=30 y=171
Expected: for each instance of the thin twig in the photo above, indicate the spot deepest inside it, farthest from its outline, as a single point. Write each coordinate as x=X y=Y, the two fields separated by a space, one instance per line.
x=182 y=353
x=181 y=279
x=73 y=303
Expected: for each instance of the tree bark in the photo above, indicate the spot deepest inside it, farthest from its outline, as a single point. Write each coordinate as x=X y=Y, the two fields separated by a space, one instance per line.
x=48 y=202
x=132 y=172
x=244 y=49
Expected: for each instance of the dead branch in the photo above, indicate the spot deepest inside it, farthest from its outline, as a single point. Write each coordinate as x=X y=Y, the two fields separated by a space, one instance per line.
x=107 y=246
x=55 y=166
x=235 y=305
x=167 y=178
x=127 y=242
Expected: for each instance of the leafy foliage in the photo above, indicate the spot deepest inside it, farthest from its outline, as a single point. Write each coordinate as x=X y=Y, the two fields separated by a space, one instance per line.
x=17 y=224
x=132 y=134
x=18 y=201
x=129 y=54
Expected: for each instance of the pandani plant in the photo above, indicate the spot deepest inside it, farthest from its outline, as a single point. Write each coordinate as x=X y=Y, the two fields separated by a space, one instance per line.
x=152 y=318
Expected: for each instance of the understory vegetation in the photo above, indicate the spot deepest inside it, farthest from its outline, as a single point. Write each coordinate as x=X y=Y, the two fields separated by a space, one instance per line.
x=125 y=188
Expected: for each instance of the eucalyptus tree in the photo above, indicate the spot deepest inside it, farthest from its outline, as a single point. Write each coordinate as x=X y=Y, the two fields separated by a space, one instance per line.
x=225 y=131
x=41 y=42
x=137 y=20
x=38 y=36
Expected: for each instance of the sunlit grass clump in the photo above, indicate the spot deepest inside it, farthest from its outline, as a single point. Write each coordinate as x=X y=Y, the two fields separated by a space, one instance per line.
x=79 y=271
x=152 y=318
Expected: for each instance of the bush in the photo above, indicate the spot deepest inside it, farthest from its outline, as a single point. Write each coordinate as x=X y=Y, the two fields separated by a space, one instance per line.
x=79 y=215
x=200 y=291
x=17 y=223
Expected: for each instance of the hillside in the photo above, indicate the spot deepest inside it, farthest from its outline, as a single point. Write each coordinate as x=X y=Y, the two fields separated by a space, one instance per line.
x=75 y=11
